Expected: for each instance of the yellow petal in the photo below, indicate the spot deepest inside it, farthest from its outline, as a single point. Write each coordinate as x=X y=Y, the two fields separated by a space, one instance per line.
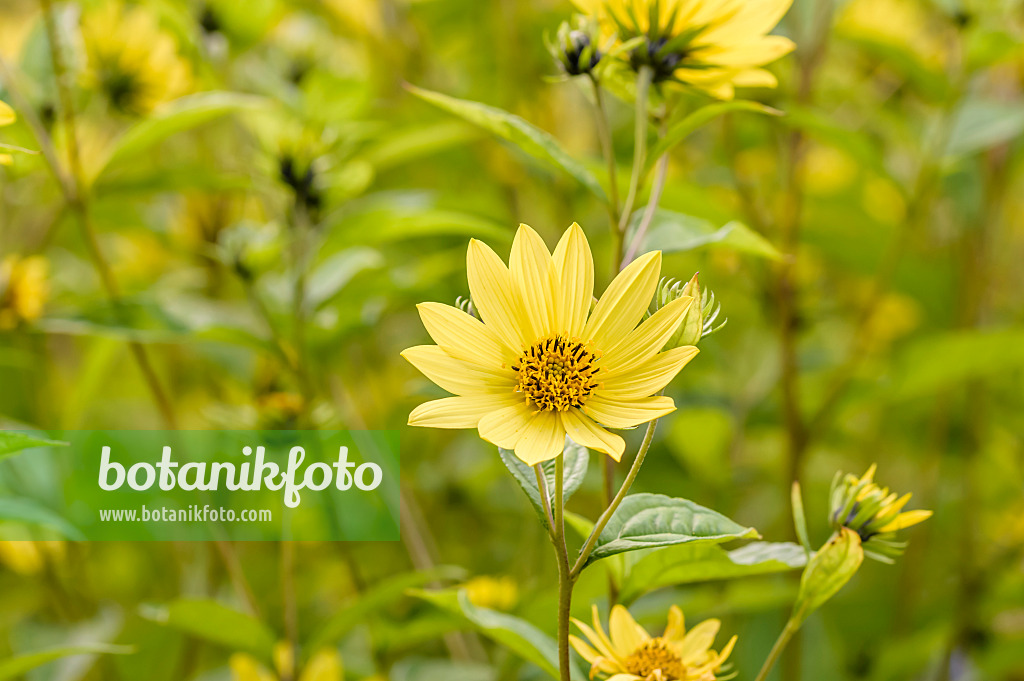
x=598 y=640
x=325 y=665
x=756 y=78
x=615 y=413
x=246 y=668
x=624 y=303
x=6 y=159
x=574 y=272
x=585 y=432
x=626 y=634
x=585 y=651
x=905 y=520
x=697 y=641
x=457 y=376
x=649 y=378
x=460 y=412
x=676 y=628
x=463 y=336
x=494 y=295
x=727 y=650
x=647 y=340
x=616 y=652
x=543 y=438
x=533 y=274
x=7 y=115
x=506 y=426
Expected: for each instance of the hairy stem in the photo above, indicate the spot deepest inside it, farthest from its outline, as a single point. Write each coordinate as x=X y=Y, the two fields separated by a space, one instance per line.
x=644 y=77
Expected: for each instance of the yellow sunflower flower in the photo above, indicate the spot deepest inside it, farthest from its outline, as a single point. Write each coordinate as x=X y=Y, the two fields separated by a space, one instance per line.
x=23 y=289
x=131 y=60
x=709 y=45
x=631 y=654
x=541 y=364
x=872 y=512
x=325 y=665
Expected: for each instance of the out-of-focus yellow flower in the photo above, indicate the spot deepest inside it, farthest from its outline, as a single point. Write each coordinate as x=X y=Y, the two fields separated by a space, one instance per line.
x=542 y=365
x=23 y=289
x=629 y=653
x=139 y=257
x=29 y=557
x=17 y=18
x=826 y=170
x=325 y=665
x=897 y=22
x=892 y=316
x=884 y=202
x=201 y=217
x=873 y=513
x=7 y=116
x=709 y=45
x=131 y=60
x=496 y=593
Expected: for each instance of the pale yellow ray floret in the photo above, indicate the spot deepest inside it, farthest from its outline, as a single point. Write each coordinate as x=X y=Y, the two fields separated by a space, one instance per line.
x=628 y=653
x=539 y=364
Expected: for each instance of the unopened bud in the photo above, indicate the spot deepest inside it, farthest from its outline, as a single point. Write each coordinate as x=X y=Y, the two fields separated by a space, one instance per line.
x=700 y=318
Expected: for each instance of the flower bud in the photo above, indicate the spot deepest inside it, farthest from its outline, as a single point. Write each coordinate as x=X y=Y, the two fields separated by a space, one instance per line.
x=575 y=47
x=828 y=572
x=874 y=513
x=700 y=318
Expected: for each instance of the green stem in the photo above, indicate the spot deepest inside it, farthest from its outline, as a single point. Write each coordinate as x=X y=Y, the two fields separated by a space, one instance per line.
x=565 y=579
x=652 y=205
x=644 y=78
x=73 y=186
x=588 y=547
x=604 y=133
x=776 y=651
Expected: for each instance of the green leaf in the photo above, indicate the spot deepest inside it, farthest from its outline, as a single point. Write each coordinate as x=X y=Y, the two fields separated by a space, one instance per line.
x=12 y=442
x=15 y=667
x=331 y=276
x=377 y=597
x=691 y=123
x=981 y=125
x=799 y=519
x=645 y=521
x=414 y=143
x=945 y=359
x=516 y=634
x=217 y=623
x=419 y=669
x=33 y=513
x=530 y=139
x=691 y=563
x=182 y=114
x=674 y=232
x=577 y=458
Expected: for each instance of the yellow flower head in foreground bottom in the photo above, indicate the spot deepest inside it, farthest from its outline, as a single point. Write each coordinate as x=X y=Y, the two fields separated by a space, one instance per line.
x=631 y=654
x=542 y=365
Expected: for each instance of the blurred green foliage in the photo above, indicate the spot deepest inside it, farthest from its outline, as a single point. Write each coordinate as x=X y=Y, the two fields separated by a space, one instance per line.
x=272 y=222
